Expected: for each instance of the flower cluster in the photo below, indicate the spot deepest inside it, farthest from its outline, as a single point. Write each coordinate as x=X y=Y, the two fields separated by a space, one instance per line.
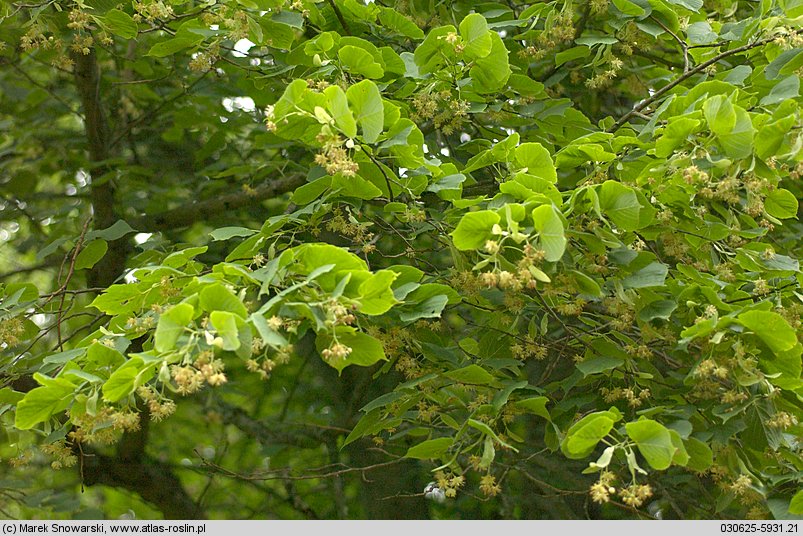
x=140 y=324
x=202 y=62
x=35 y=38
x=94 y=429
x=62 y=454
x=489 y=486
x=11 y=329
x=528 y=348
x=602 y=489
x=336 y=352
x=152 y=11
x=334 y=157
x=191 y=378
x=159 y=408
x=79 y=20
x=349 y=227
x=449 y=482
x=634 y=396
x=447 y=114
x=125 y=420
x=603 y=79
x=636 y=494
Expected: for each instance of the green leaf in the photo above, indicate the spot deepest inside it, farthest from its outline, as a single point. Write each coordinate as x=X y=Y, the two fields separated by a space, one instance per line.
x=551 y=235
x=226 y=326
x=675 y=135
x=476 y=37
x=796 y=504
x=771 y=328
x=432 y=54
x=474 y=229
x=738 y=143
x=102 y=356
x=430 y=449
x=490 y=73
x=535 y=405
x=785 y=63
x=691 y=5
x=501 y=397
x=360 y=61
x=392 y=19
x=629 y=8
x=720 y=114
x=599 y=363
x=120 y=23
x=216 y=297
x=365 y=101
x=654 y=442
x=10 y=396
x=700 y=33
x=429 y=308
x=700 y=455
x=41 y=403
x=375 y=294
x=125 y=380
x=788 y=88
x=370 y=423
x=268 y=334
x=771 y=136
x=485 y=429
x=681 y=457
x=582 y=438
x=574 y=53
x=323 y=42
x=224 y=233
x=536 y=160
x=309 y=192
x=652 y=275
x=171 y=325
x=63 y=357
x=662 y=309
x=91 y=254
x=781 y=204
x=472 y=374
x=620 y=203
x=171 y=46
x=365 y=350
x=586 y=284
x=311 y=257
x=341 y=113
x=355 y=187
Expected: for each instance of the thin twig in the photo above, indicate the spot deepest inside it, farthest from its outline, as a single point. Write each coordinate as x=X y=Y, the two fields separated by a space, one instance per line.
x=339 y=16
x=701 y=67
x=680 y=41
x=70 y=272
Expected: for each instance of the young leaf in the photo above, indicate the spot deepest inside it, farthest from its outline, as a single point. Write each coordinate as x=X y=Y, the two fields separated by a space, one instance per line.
x=339 y=108
x=365 y=101
x=582 y=438
x=551 y=235
x=474 y=229
x=654 y=442
x=430 y=449
x=171 y=325
x=216 y=297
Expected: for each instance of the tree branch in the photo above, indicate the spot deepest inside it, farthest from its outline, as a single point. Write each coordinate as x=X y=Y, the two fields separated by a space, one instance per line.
x=701 y=67
x=339 y=16
x=152 y=480
x=199 y=210
x=87 y=82
x=264 y=432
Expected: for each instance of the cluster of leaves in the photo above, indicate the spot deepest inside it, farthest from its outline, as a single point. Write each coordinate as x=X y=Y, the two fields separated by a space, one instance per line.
x=597 y=204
